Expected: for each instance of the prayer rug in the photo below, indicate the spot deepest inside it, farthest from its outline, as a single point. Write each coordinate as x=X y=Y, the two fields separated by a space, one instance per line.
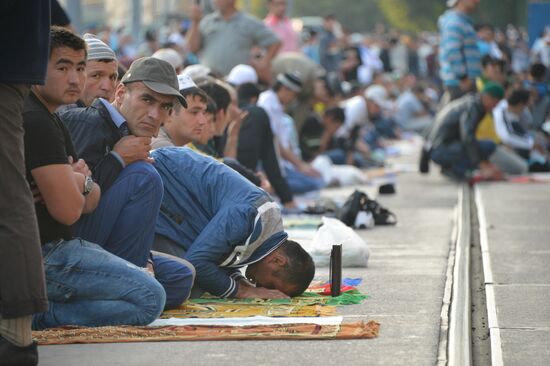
x=225 y=309
x=349 y=297
x=123 y=334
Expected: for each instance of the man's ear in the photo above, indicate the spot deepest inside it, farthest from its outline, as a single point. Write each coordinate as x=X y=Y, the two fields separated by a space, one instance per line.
x=278 y=259
x=119 y=93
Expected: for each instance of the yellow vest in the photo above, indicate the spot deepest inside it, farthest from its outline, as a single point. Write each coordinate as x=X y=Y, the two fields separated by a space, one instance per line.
x=486 y=129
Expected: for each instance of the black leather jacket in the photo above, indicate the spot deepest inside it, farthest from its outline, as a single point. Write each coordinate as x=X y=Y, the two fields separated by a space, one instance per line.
x=94 y=134
x=457 y=122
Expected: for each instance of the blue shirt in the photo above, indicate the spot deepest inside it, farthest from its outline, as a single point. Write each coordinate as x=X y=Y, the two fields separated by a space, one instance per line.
x=458 y=50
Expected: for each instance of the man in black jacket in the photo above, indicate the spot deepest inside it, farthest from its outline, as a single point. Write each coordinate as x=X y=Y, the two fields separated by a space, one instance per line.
x=115 y=140
x=453 y=136
x=256 y=143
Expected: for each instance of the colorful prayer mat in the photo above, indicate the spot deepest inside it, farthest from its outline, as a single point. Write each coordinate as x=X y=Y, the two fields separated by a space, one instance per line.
x=225 y=309
x=351 y=296
x=123 y=334
x=315 y=295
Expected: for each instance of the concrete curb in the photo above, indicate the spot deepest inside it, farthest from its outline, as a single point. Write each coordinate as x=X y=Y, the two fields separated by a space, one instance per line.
x=459 y=341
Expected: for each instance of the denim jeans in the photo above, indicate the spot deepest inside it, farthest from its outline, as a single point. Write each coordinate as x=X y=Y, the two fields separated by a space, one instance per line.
x=89 y=286
x=167 y=247
x=124 y=221
x=124 y=224
x=302 y=183
x=453 y=156
x=338 y=157
x=176 y=275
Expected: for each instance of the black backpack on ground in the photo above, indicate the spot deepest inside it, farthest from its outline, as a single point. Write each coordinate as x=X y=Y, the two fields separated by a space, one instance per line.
x=359 y=201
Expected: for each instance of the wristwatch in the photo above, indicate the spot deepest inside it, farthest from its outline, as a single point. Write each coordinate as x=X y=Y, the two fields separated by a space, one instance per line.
x=88 y=186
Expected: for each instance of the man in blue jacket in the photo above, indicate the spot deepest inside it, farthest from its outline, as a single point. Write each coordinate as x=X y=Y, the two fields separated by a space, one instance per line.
x=217 y=220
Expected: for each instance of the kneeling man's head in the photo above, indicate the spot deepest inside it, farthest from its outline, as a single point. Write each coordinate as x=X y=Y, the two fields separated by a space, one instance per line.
x=289 y=269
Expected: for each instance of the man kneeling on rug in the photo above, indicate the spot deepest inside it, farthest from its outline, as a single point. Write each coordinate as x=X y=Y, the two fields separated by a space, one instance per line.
x=220 y=222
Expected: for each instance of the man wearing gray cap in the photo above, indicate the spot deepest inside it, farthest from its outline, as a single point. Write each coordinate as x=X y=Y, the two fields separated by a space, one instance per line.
x=115 y=139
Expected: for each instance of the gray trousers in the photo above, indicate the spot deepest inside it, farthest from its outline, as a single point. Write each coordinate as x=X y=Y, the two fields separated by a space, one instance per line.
x=509 y=161
x=22 y=288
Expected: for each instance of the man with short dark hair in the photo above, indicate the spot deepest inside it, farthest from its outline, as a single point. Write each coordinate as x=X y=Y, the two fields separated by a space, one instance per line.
x=87 y=286
x=453 y=135
x=301 y=176
x=256 y=144
x=184 y=125
x=220 y=222
x=333 y=118
x=115 y=140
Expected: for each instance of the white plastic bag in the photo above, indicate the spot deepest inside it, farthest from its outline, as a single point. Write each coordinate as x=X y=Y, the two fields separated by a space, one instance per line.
x=343 y=175
x=355 y=252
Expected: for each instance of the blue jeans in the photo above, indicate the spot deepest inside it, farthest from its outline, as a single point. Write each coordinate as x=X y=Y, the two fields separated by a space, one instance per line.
x=338 y=157
x=124 y=224
x=124 y=221
x=453 y=156
x=176 y=275
x=302 y=183
x=88 y=286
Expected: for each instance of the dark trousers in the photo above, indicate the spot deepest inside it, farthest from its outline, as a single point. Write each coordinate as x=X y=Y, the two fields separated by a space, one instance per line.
x=256 y=146
x=454 y=157
x=22 y=289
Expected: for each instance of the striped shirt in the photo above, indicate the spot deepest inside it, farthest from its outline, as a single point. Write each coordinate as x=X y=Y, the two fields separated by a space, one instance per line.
x=458 y=51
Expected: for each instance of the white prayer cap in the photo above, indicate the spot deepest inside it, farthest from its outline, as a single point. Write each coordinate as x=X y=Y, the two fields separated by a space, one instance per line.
x=185 y=82
x=169 y=55
x=242 y=74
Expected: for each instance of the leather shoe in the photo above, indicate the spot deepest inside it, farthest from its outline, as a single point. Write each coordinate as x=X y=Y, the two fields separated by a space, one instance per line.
x=11 y=355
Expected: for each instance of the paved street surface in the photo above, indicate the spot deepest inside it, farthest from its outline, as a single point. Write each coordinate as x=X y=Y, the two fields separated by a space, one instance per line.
x=518 y=277
x=406 y=281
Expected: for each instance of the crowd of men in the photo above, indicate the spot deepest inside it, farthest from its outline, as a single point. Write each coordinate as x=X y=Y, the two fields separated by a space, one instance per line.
x=126 y=191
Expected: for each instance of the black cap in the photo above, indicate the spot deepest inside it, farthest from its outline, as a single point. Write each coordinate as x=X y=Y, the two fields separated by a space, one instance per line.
x=157 y=75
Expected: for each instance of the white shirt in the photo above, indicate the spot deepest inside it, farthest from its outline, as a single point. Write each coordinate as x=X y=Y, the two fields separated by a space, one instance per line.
x=355 y=110
x=407 y=107
x=269 y=101
x=509 y=128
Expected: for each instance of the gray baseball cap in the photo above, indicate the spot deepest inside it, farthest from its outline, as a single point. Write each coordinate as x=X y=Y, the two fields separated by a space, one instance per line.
x=157 y=75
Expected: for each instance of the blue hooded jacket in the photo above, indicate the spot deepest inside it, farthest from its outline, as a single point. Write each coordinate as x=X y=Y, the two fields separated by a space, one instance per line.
x=222 y=220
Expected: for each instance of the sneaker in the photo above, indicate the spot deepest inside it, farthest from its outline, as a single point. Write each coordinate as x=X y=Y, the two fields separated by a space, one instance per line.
x=11 y=355
x=424 y=164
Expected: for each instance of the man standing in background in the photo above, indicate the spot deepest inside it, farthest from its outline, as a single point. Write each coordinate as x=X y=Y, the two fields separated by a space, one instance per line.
x=281 y=25
x=226 y=38
x=459 y=55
